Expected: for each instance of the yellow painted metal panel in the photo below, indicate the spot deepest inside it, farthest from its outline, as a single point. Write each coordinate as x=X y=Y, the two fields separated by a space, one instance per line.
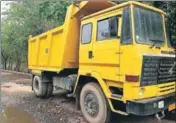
x=105 y=53
x=42 y=52
x=36 y=72
x=56 y=49
x=33 y=52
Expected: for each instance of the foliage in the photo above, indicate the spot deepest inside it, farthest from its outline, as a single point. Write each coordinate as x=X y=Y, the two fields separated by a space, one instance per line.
x=171 y=10
x=25 y=18
x=53 y=13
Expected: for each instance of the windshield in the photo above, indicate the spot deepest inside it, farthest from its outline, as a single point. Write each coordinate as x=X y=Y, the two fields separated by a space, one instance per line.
x=148 y=26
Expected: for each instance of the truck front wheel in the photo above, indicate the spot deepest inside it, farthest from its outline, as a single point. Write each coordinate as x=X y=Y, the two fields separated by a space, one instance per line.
x=93 y=104
x=41 y=89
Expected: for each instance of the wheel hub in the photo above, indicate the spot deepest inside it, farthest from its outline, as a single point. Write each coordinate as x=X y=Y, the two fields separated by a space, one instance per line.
x=91 y=104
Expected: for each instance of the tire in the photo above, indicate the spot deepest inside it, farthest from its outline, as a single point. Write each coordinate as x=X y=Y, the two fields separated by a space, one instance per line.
x=41 y=89
x=102 y=112
x=50 y=89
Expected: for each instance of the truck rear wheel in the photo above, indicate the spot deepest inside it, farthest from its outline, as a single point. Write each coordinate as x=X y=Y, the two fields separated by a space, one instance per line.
x=50 y=89
x=93 y=104
x=41 y=89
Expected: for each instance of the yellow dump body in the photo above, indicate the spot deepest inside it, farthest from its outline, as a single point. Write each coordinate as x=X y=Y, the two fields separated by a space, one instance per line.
x=58 y=49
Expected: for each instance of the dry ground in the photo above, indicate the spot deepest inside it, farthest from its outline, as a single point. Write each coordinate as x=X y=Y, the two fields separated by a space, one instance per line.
x=21 y=106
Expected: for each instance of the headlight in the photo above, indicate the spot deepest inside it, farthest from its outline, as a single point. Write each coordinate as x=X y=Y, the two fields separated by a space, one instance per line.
x=141 y=91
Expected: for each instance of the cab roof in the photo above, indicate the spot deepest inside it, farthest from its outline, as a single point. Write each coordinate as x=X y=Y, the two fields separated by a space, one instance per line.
x=123 y=5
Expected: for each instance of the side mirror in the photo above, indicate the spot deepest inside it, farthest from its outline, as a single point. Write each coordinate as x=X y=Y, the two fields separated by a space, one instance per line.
x=114 y=26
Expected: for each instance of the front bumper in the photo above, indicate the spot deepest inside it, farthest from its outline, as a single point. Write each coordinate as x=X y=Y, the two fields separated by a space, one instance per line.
x=150 y=106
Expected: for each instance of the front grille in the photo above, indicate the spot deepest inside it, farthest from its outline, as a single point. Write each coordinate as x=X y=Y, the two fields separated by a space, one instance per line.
x=157 y=70
x=166 y=88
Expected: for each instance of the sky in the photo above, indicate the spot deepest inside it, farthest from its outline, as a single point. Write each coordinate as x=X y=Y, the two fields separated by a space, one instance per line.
x=4 y=6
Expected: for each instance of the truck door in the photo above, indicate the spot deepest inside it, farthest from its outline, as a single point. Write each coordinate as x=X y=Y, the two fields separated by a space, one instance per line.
x=85 y=51
x=106 y=45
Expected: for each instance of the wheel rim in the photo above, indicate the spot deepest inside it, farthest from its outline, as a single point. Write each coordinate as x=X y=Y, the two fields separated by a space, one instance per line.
x=91 y=104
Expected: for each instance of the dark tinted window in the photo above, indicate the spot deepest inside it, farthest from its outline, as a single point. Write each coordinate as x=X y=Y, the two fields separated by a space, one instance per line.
x=107 y=28
x=168 y=33
x=86 y=33
x=126 y=27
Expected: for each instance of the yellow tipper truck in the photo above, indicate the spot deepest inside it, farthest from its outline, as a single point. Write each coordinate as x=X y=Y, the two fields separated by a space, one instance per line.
x=111 y=58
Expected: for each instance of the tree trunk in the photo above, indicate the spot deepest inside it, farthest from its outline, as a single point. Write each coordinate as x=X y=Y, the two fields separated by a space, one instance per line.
x=11 y=64
x=5 y=60
x=5 y=64
x=18 y=65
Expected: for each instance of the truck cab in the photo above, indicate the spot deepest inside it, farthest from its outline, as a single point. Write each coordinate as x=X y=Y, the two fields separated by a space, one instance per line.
x=126 y=46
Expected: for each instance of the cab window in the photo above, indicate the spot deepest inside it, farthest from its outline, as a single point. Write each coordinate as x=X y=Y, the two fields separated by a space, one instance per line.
x=126 y=27
x=107 y=28
x=86 y=33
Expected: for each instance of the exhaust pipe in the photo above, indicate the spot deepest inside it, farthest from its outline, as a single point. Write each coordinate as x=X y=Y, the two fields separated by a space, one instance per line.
x=160 y=115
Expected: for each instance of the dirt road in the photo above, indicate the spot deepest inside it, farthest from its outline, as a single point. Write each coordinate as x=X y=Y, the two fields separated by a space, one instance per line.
x=21 y=106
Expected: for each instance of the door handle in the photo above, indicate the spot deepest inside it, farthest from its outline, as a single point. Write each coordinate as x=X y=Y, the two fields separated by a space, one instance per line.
x=90 y=54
